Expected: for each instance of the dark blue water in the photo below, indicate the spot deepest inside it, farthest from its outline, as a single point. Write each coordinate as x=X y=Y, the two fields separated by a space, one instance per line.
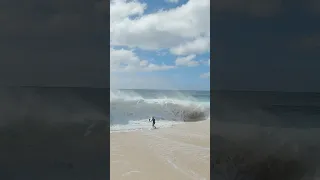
x=147 y=93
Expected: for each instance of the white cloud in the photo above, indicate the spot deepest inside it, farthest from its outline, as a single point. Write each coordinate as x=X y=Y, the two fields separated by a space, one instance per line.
x=208 y=62
x=205 y=75
x=126 y=60
x=198 y=46
x=187 y=61
x=133 y=80
x=172 y=1
x=163 y=29
x=182 y=31
x=122 y=9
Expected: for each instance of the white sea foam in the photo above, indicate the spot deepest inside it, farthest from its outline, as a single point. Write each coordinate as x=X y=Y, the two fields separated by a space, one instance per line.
x=131 y=109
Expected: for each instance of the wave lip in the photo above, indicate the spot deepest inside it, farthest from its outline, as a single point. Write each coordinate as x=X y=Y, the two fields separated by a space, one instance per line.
x=134 y=107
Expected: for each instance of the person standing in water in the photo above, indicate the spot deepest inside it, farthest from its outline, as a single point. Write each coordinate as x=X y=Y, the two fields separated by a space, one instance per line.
x=153 y=122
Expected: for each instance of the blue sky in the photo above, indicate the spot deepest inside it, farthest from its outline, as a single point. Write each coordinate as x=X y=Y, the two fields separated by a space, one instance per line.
x=160 y=44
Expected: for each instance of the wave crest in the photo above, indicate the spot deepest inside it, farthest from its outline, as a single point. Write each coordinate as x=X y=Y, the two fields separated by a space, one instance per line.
x=131 y=105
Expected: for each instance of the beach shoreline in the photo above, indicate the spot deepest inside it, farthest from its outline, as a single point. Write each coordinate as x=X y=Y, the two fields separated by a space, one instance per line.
x=179 y=152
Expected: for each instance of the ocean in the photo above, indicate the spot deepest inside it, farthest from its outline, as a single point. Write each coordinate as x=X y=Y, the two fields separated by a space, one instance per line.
x=131 y=109
x=54 y=133
x=265 y=135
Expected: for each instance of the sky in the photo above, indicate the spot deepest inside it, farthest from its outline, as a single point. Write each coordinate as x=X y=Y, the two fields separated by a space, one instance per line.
x=161 y=44
x=266 y=45
x=54 y=43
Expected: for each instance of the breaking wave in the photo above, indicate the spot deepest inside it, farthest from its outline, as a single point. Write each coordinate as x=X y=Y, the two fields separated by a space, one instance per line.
x=134 y=106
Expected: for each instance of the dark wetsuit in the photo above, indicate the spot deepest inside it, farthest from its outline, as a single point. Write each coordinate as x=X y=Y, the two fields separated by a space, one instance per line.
x=153 y=122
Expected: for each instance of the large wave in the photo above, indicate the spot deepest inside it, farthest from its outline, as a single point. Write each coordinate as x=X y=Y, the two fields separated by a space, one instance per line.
x=134 y=105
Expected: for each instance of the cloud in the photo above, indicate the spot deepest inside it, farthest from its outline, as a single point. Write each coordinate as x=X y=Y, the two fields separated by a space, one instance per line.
x=181 y=31
x=187 y=61
x=122 y=60
x=132 y=80
x=163 y=29
x=122 y=9
x=198 y=46
x=205 y=75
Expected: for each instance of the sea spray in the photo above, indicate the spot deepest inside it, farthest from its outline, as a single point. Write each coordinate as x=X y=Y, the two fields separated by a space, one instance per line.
x=131 y=109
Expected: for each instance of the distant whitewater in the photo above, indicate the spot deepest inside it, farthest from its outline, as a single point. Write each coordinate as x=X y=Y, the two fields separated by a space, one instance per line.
x=131 y=109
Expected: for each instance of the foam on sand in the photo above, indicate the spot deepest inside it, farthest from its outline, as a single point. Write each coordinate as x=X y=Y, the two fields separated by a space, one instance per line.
x=180 y=152
x=131 y=109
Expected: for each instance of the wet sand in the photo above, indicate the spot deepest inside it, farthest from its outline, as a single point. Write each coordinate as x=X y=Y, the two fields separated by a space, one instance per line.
x=181 y=152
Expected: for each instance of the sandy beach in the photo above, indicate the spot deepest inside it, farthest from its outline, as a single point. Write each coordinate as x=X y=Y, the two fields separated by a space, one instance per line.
x=181 y=152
